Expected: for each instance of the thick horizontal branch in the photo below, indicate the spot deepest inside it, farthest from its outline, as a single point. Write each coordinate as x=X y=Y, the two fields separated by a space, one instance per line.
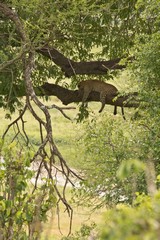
x=67 y=96
x=70 y=96
x=71 y=68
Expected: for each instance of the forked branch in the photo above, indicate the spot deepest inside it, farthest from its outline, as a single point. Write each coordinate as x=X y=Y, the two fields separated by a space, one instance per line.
x=46 y=135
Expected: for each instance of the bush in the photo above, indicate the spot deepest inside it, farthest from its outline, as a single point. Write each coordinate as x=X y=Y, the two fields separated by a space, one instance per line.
x=142 y=221
x=23 y=206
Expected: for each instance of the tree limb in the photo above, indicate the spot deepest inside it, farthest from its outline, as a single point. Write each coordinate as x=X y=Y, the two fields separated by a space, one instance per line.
x=28 y=60
x=12 y=15
x=69 y=96
x=71 y=68
x=9 y=62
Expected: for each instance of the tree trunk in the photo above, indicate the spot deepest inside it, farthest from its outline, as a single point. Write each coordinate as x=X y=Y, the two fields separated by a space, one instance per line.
x=150 y=177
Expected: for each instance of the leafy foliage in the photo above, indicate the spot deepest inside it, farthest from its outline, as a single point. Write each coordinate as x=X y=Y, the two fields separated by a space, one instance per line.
x=81 y=30
x=22 y=208
x=111 y=163
x=138 y=222
x=120 y=159
x=147 y=74
x=82 y=234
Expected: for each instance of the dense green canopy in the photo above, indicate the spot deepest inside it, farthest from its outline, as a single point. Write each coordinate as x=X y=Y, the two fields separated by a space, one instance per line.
x=80 y=37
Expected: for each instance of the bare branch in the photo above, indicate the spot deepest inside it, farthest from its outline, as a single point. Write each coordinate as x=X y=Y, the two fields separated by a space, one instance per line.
x=61 y=109
x=28 y=66
x=15 y=121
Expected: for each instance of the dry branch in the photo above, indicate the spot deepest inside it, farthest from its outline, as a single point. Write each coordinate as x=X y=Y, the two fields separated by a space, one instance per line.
x=28 y=60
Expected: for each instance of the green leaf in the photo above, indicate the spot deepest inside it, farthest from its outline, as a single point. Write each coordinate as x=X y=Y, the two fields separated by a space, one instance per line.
x=128 y=167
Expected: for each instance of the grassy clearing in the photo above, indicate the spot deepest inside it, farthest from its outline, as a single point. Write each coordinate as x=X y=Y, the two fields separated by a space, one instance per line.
x=81 y=216
x=55 y=230
x=65 y=132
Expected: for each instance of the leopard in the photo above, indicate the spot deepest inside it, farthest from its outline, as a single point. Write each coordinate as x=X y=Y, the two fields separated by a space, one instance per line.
x=103 y=88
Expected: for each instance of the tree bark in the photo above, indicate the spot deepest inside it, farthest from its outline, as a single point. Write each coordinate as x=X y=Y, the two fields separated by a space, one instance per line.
x=150 y=176
x=71 y=68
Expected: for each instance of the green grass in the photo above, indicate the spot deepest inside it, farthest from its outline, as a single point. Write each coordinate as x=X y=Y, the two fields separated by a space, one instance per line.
x=65 y=132
x=53 y=230
x=63 y=129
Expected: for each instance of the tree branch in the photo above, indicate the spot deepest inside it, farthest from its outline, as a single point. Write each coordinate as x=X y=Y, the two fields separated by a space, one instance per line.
x=71 y=68
x=69 y=96
x=9 y=62
x=28 y=60
x=12 y=15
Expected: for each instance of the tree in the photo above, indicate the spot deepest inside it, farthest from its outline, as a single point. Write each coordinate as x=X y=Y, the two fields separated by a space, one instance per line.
x=127 y=153
x=141 y=220
x=30 y=39
x=23 y=208
x=66 y=26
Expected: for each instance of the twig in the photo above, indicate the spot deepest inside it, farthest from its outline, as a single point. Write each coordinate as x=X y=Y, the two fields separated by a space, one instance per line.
x=61 y=109
x=23 y=128
x=37 y=176
x=15 y=121
x=10 y=62
x=72 y=67
x=40 y=149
